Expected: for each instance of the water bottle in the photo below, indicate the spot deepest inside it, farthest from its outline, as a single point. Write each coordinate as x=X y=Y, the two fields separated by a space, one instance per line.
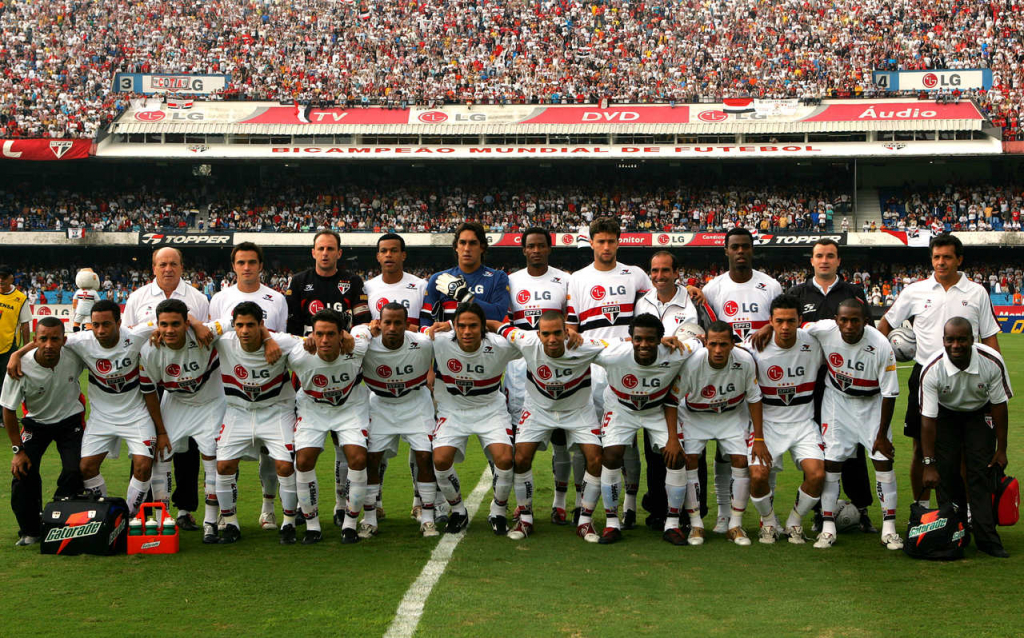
x=135 y=527
x=169 y=527
x=152 y=527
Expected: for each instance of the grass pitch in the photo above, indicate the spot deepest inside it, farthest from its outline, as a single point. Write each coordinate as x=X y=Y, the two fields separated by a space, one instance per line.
x=552 y=584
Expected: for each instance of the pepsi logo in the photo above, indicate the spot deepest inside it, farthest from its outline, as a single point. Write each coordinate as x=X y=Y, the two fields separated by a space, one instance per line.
x=713 y=115
x=775 y=373
x=730 y=308
x=319 y=380
x=433 y=117
x=455 y=365
x=241 y=372
x=381 y=303
x=523 y=296
x=930 y=80
x=383 y=371
x=835 y=359
x=597 y=293
x=173 y=370
x=708 y=391
x=544 y=372
x=104 y=366
x=315 y=306
x=630 y=381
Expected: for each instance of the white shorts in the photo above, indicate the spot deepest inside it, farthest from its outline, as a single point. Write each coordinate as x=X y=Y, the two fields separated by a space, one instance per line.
x=244 y=431
x=841 y=442
x=580 y=426
x=388 y=443
x=454 y=430
x=619 y=427
x=199 y=422
x=515 y=388
x=802 y=440
x=598 y=383
x=350 y=423
x=415 y=416
x=732 y=437
x=103 y=438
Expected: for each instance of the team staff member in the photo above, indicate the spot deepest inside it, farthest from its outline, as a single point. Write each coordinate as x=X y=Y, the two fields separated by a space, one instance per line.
x=931 y=302
x=51 y=394
x=140 y=308
x=15 y=316
x=958 y=386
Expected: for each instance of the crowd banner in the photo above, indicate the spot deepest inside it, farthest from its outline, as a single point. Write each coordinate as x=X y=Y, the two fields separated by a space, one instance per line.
x=44 y=150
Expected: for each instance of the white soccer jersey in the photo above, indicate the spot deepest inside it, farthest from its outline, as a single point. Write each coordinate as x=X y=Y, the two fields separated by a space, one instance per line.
x=250 y=383
x=85 y=300
x=743 y=306
x=472 y=379
x=326 y=385
x=396 y=376
x=555 y=384
x=602 y=302
x=931 y=307
x=409 y=292
x=191 y=374
x=275 y=308
x=787 y=377
x=716 y=400
x=49 y=395
x=532 y=296
x=677 y=310
x=114 y=396
x=641 y=389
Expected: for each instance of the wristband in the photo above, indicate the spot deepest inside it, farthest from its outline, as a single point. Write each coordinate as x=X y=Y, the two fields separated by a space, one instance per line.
x=756 y=440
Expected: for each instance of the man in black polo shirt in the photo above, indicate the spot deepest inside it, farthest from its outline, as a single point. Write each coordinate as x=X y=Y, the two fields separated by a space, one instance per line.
x=820 y=296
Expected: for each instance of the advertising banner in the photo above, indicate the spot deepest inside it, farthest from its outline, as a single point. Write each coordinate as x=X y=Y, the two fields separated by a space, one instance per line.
x=44 y=150
x=185 y=239
x=1010 y=318
x=185 y=83
x=934 y=80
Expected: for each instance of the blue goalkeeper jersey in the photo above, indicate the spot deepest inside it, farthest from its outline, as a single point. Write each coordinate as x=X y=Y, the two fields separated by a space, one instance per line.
x=489 y=288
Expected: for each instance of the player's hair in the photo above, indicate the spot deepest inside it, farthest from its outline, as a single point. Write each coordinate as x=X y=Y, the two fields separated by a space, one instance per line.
x=389 y=237
x=605 y=225
x=181 y=257
x=51 y=322
x=472 y=308
x=173 y=306
x=106 y=305
x=647 y=320
x=719 y=326
x=784 y=302
x=537 y=230
x=475 y=228
x=5 y=271
x=330 y=316
x=945 y=239
x=959 y=322
x=248 y=309
x=550 y=315
x=247 y=246
x=826 y=241
x=854 y=302
x=333 y=234
x=666 y=253
x=740 y=231
x=394 y=305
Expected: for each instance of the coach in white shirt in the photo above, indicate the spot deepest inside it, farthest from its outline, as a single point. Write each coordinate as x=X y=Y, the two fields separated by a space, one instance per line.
x=141 y=308
x=958 y=387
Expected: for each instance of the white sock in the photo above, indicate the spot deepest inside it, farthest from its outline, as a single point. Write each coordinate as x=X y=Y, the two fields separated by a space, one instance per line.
x=675 y=490
x=692 y=504
x=136 y=494
x=340 y=480
x=502 y=488
x=885 y=484
x=448 y=483
x=829 y=498
x=428 y=492
x=763 y=505
x=590 y=492
x=723 y=480
x=740 y=494
x=561 y=468
x=804 y=503
x=610 y=495
x=210 y=485
x=289 y=499
x=269 y=482
x=96 y=485
x=308 y=493
x=227 y=496
x=523 y=485
x=579 y=471
x=160 y=483
x=370 y=505
x=357 y=490
x=631 y=472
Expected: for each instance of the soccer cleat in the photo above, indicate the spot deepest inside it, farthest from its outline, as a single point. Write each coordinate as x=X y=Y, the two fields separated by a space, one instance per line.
x=456 y=523
x=588 y=533
x=349 y=536
x=767 y=535
x=380 y=513
x=499 y=524
x=230 y=534
x=210 y=533
x=221 y=523
x=576 y=511
x=339 y=518
x=796 y=535
x=417 y=511
x=268 y=520
x=674 y=536
x=892 y=541
x=186 y=522
x=428 y=529
x=286 y=535
x=610 y=535
x=366 y=530
x=629 y=519
x=558 y=516
x=738 y=536
x=521 y=530
x=825 y=540
x=865 y=524
x=26 y=540
x=722 y=525
x=312 y=537
x=696 y=536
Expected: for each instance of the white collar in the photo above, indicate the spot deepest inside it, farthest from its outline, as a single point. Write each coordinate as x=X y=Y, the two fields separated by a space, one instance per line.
x=156 y=291
x=952 y=370
x=681 y=298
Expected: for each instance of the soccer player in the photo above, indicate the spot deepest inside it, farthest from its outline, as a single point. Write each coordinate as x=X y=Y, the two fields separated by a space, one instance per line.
x=557 y=400
x=535 y=290
x=395 y=369
x=468 y=282
x=931 y=303
x=51 y=397
x=470 y=366
x=192 y=405
x=723 y=402
x=600 y=304
x=247 y=262
x=788 y=371
x=741 y=298
x=857 y=408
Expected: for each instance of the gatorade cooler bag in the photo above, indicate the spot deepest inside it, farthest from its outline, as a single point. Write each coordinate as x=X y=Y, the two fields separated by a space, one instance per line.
x=935 y=534
x=85 y=525
x=1005 y=497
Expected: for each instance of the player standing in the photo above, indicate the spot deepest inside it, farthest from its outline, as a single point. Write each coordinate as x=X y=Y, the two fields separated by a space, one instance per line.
x=467 y=282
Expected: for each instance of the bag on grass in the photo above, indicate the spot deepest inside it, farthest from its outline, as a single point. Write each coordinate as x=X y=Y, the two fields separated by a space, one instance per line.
x=85 y=525
x=1005 y=497
x=935 y=534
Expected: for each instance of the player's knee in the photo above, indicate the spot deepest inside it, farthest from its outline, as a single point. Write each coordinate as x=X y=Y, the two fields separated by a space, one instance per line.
x=524 y=461
x=142 y=468
x=814 y=476
x=284 y=468
x=225 y=468
x=502 y=456
x=738 y=460
x=692 y=461
x=357 y=461
x=89 y=468
x=759 y=476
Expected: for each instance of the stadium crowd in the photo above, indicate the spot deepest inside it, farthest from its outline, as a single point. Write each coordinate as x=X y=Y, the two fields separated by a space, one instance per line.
x=954 y=207
x=58 y=58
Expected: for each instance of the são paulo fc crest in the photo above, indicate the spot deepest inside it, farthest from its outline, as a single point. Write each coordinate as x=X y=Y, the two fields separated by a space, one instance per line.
x=343 y=287
x=532 y=316
x=253 y=392
x=786 y=395
x=844 y=381
x=397 y=388
x=115 y=383
x=464 y=385
x=611 y=313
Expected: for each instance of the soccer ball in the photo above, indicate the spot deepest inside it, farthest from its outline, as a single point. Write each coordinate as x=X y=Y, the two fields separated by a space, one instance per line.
x=847 y=516
x=86 y=279
x=904 y=343
x=688 y=330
